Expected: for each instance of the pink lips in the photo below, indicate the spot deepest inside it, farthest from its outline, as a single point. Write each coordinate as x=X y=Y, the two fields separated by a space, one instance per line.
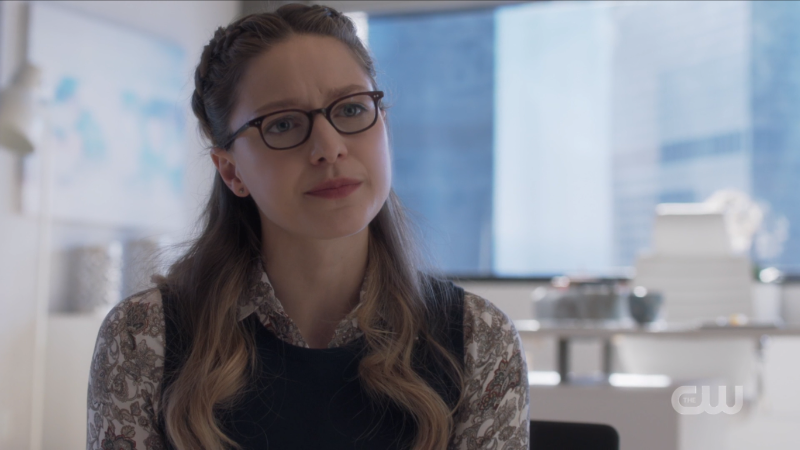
x=336 y=188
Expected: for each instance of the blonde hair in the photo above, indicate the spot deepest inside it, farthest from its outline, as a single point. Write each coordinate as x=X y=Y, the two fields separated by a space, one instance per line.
x=216 y=271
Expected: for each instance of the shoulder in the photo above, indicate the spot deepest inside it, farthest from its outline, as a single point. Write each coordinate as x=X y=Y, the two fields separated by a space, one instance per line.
x=485 y=325
x=491 y=341
x=495 y=409
x=480 y=308
x=138 y=316
x=126 y=372
x=132 y=334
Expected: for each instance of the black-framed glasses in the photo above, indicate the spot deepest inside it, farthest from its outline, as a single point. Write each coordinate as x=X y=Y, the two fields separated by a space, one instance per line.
x=289 y=128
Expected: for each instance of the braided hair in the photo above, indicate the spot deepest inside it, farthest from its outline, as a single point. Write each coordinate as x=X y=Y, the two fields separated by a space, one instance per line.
x=224 y=58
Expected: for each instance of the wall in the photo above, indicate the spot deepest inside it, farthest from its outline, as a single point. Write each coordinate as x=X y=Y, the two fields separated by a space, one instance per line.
x=190 y=24
x=17 y=272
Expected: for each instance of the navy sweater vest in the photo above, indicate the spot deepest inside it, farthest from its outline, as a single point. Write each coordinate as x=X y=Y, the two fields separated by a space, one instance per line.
x=302 y=398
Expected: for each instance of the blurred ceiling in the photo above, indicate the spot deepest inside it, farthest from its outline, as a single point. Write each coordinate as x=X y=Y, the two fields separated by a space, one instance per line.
x=380 y=7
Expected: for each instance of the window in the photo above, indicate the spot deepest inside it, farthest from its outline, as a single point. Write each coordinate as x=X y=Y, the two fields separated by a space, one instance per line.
x=537 y=139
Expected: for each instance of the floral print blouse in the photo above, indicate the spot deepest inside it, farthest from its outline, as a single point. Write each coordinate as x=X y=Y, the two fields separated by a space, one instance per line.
x=128 y=366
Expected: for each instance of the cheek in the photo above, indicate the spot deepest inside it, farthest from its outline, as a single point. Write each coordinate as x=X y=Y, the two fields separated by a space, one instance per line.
x=386 y=174
x=270 y=184
x=381 y=168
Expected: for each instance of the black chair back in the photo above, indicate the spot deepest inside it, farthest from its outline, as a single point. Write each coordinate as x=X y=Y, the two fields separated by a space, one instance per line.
x=572 y=436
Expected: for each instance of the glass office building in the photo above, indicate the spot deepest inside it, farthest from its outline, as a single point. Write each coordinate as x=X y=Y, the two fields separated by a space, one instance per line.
x=537 y=139
x=437 y=71
x=775 y=109
x=706 y=98
x=680 y=115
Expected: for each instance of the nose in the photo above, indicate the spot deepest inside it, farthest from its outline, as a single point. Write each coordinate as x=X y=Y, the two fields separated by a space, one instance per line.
x=327 y=144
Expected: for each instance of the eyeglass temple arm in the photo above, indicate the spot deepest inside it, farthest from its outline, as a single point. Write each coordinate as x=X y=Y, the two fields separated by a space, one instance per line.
x=236 y=134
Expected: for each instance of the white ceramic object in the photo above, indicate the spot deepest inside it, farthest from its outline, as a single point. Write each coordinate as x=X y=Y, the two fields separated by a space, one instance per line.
x=21 y=123
x=689 y=229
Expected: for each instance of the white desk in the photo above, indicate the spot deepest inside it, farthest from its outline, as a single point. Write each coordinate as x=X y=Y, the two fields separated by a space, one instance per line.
x=565 y=334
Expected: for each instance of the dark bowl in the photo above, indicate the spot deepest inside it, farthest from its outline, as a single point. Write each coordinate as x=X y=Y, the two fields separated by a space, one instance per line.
x=645 y=309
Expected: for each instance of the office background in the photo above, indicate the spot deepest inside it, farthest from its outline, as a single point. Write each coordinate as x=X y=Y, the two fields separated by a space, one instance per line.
x=530 y=140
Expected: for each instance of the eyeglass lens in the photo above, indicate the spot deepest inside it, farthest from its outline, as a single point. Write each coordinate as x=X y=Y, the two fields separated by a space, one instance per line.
x=291 y=128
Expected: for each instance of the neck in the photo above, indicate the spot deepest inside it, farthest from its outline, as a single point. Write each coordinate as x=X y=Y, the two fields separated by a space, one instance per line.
x=318 y=282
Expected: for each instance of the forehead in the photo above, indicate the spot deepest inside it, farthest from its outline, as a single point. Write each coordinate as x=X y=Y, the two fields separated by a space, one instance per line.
x=304 y=69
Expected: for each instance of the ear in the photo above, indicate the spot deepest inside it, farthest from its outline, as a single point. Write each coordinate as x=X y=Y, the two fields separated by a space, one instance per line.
x=226 y=166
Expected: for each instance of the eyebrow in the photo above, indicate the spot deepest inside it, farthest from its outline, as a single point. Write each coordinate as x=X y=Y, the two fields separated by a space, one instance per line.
x=293 y=102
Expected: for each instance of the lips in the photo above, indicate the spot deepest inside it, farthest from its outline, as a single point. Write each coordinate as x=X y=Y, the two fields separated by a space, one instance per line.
x=335 y=188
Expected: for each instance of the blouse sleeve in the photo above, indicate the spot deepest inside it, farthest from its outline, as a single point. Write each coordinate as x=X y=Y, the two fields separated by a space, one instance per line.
x=125 y=376
x=495 y=412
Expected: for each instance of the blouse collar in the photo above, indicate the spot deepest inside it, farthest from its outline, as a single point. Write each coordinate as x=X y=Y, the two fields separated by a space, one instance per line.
x=261 y=300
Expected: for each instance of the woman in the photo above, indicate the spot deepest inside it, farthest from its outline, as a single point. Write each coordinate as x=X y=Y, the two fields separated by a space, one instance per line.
x=300 y=317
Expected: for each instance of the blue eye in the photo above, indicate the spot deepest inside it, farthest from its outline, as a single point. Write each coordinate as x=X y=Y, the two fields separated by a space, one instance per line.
x=351 y=109
x=281 y=125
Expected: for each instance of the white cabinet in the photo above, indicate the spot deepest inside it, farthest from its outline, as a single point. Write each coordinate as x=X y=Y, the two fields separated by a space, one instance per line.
x=70 y=344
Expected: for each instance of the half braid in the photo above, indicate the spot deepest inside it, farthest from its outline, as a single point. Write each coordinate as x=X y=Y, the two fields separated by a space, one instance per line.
x=207 y=282
x=211 y=73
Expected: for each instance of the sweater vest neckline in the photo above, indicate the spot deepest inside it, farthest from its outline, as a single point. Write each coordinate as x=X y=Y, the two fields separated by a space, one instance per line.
x=312 y=398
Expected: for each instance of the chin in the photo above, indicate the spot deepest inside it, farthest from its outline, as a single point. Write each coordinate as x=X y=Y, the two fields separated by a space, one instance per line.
x=340 y=227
